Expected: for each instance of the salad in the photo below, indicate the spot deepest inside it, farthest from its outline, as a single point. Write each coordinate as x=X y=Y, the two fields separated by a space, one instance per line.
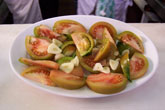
x=71 y=57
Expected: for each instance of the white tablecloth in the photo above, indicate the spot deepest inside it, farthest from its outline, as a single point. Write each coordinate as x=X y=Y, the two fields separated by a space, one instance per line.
x=17 y=95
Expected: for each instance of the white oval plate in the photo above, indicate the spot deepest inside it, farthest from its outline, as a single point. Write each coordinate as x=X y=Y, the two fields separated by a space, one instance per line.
x=18 y=50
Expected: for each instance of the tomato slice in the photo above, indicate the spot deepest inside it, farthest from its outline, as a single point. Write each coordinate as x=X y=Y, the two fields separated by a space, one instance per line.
x=68 y=27
x=64 y=60
x=125 y=65
x=108 y=46
x=43 y=63
x=37 y=48
x=45 y=31
x=106 y=83
x=67 y=81
x=121 y=46
x=138 y=66
x=104 y=50
x=38 y=74
x=84 y=42
x=87 y=62
x=78 y=71
x=97 y=29
x=68 y=48
x=132 y=40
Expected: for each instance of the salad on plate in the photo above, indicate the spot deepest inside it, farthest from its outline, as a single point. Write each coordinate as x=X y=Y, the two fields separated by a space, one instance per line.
x=69 y=56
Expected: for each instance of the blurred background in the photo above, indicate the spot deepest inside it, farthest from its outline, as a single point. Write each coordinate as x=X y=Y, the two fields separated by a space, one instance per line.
x=131 y=11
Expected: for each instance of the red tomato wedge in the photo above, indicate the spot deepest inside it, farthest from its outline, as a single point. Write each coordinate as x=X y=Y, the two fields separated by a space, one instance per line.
x=45 y=31
x=68 y=27
x=37 y=48
x=138 y=66
x=132 y=40
x=97 y=29
x=106 y=83
x=38 y=74
x=67 y=81
x=78 y=71
x=43 y=63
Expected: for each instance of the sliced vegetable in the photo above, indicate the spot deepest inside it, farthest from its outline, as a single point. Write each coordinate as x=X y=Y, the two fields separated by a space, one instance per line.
x=78 y=71
x=37 y=48
x=124 y=61
x=67 y=81
x=62 y=38
x=138 y=66
x=96 y=30
x=84 y=42
x=68 y=48
x=43 y=63
x=104 y=50
x=44 y=31
x=122 y=47
x=68 y=36
x=114 y=51
x=132 y=40
x=106 y=83
x=106 y=34
x=38 y=74
x=87 y=62
x=68 y=27
x=64 y=60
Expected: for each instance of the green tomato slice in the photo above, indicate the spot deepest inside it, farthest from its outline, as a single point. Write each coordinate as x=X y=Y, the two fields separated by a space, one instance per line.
x=104 y=50
x=38 y=74
x=67 y=81
x=44 y=31
x=37 y=48
x=122 y=47
x=68 y=27
x=43 y=63
x=132 y=40
x=138 y=66
x=125 y=65
x=106 y=83
x=87 y=62
x=96 y=30
x=84 y=42
x=68 y=48
x=64 y=60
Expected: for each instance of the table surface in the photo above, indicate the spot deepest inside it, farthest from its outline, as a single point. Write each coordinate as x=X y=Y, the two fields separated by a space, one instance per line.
x=17 y=95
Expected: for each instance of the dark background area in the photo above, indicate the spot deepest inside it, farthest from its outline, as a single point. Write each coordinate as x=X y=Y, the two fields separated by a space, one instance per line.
x=53 y=8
